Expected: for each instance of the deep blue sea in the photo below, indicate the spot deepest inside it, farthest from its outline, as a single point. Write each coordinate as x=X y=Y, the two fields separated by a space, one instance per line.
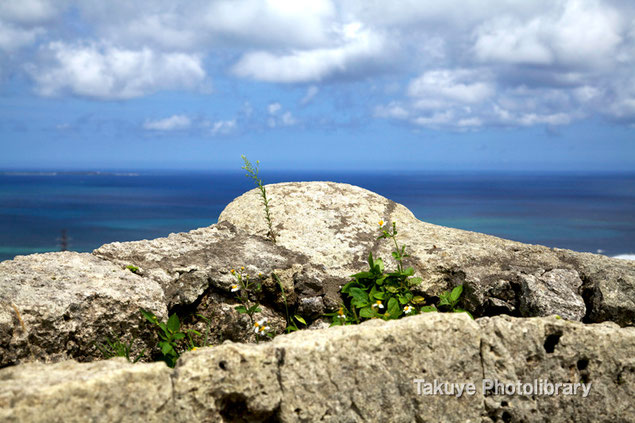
x=582 y=212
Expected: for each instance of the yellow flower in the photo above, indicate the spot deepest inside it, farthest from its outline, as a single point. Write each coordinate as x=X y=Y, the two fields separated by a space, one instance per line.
x=235 y=288
x=242 y=268
x=232 y=271
x=377 y=304
x=194 y=349
x=382 y=223
x=340 y=313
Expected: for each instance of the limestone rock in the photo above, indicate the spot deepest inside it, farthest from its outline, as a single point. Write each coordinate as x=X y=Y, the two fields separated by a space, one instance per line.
x=336 y=225
x=187 y=264
x=56 y=306
x=348 y=374
x=552 y=292
x=105 y=391
x=560 y=351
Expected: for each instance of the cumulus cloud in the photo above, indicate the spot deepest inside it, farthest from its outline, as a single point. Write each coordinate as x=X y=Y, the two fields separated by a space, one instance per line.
x=168 y=124
x=30 y=11
x=13 y=38
x=357 y=47
x=108 y=72
x=583 y=33
x=465 y=63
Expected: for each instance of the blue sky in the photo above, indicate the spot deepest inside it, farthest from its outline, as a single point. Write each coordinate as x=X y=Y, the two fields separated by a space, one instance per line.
x=319 y=84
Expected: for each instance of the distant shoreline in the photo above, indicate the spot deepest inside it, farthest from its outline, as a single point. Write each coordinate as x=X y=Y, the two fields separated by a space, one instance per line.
x=69 y=173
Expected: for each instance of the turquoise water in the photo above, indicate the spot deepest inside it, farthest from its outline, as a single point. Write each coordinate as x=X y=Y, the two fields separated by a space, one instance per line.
x=580 y=212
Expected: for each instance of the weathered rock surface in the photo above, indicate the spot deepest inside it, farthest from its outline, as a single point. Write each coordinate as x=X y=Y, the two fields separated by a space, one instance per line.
x=348 y=374
x=105 y=391
x=56 y=306
x=187 y=264
x=515 y=350
x=193 y=268
x=336 y=225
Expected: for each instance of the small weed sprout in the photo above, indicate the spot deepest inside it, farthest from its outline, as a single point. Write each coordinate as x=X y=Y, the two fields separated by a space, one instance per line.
x=133 y=269
x=118 y=348
x=244 y=289
x=172 y=342
x=252 y=172
x=292 y=321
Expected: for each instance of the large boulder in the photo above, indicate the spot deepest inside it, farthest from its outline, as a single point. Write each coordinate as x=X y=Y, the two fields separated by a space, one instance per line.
x=336 y=226
x=370 y=372
x=57 y=306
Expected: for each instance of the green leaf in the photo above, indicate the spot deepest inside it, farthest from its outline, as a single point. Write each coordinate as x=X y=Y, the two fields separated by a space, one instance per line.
x=371 y=264
x=178 y=335
x=403 y=299
x=428 y=309
x=456 y=293
x=418 y=300
x=346 y=288
x=409 y=271
x=241 y=309
x=173 y=323
x=392 y=289
x=378 y=295
x=149 y=316
x=379 y=265
x=367 y=313
x=381 y=280
x=300 y=319
x=359 y=295
x=393 y=308
x=414 y=281
x=166 y=348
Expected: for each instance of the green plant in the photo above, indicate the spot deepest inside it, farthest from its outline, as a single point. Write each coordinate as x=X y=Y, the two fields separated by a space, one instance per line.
x=244 y=290
x=172 y=341
x=252 y=172
x=118 y=348
x=376 y=294
x=343 y=317
x=133 y=269
x=292 y=321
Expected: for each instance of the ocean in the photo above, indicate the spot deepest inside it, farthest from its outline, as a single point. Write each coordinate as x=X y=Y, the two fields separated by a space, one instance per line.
x=582 y=212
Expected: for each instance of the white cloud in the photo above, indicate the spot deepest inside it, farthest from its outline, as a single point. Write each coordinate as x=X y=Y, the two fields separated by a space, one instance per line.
x=450 y=86
x=273 y=108
x=199 y=25
x=310 y=93
x=223 y=127
x=470 y=58
x=13 y=38
x=168 y=124
x=288 y=119
x=579 y=33
x=108 y=72
x=30 y=11
x=444 y=99
x=357 y=46
x=276 y=119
